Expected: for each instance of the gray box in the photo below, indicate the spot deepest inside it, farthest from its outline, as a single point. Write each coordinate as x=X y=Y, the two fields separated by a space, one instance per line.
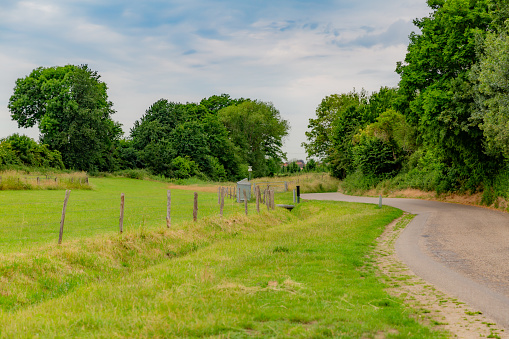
x=243 y=186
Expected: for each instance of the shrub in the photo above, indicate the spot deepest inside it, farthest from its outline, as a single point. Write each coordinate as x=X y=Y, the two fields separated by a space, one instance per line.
x=183 y=168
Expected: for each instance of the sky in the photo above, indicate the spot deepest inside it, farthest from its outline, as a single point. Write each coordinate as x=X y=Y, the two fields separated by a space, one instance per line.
x=292 y=53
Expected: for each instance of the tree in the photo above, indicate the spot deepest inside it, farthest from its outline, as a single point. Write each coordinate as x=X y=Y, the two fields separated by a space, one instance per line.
x=320 y=143
x=340 y=118
x=217 y=102
x=71 y=107
x=492 y=76
x=435 y=81
x=257 y=130
x=381 y=147
x=190 y=132
x=22 y=150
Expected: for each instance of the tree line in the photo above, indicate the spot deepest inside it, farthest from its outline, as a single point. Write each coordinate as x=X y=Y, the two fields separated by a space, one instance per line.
x=217 y=138
x=445 y=127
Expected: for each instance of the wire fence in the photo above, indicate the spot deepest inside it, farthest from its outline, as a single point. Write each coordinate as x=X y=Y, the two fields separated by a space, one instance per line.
x=33 y=220
x=278 y=186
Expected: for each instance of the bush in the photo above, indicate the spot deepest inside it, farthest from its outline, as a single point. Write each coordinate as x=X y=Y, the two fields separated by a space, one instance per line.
x=358 y=182
x=134 y=174
x=183 y=168
x=376 y=158
x=7 y=155
x=216 y=170
x=22 y=150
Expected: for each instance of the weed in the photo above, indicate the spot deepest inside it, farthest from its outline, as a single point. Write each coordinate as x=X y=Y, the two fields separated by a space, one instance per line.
x=280 y=249
x=473 y=313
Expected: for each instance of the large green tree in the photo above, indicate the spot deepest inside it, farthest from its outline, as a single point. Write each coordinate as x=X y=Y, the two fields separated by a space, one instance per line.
x=492 y=79
x=435 y=81
x=71 y=108
x=339 y=119
x=174 y=138
x=217 y=102
x=257 y=129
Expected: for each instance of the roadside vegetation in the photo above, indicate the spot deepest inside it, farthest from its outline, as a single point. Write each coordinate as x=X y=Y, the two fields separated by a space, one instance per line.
x=308 y=182
x=308 y=273
x=443 y=129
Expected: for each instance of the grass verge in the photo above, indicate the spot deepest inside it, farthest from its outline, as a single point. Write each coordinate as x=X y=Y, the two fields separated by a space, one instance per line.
x=305 y=274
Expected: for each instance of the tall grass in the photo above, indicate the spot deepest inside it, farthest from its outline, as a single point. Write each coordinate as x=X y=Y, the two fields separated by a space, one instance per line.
x=21 y=180
x=308 y=182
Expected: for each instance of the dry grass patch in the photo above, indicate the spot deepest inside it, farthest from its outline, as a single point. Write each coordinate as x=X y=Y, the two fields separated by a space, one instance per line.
x=20 y=180
x=308 y=182
x=199 y=188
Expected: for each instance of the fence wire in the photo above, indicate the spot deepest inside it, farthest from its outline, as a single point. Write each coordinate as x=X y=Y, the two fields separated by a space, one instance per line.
x=35 y=221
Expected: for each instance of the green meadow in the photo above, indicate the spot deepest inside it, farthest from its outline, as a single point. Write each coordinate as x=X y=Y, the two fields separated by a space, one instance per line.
x=31 y=218
x=309 y=273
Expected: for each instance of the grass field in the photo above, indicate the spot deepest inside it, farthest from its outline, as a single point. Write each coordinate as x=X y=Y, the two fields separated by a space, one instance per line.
x=305 y=274
x=32 y=217
x=25 y=180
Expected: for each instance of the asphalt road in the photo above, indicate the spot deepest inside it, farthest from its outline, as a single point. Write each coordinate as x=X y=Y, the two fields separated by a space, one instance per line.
x=462 y=250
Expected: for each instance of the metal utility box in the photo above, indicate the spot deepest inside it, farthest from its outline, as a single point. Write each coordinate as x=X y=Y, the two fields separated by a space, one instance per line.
x=243 y=186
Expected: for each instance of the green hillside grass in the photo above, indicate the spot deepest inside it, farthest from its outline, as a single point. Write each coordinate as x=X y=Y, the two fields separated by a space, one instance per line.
x=309 y=273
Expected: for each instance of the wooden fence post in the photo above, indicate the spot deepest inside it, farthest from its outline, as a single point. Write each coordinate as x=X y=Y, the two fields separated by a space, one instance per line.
x=257 y=192
x=168 y=209
x=38 y=181
x=195 y=207
x=121 y=220
x=273 y=199
x=245 y=200
x=67 y=194
x=224 y=192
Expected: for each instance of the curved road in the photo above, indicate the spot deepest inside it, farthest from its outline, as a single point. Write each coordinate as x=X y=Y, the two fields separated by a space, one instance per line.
x=463 y=250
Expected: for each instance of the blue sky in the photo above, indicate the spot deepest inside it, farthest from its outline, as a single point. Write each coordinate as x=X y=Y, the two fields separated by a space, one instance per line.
x=290 y=53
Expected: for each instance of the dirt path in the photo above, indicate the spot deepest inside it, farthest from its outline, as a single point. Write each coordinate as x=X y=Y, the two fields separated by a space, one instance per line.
x=462 y=250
